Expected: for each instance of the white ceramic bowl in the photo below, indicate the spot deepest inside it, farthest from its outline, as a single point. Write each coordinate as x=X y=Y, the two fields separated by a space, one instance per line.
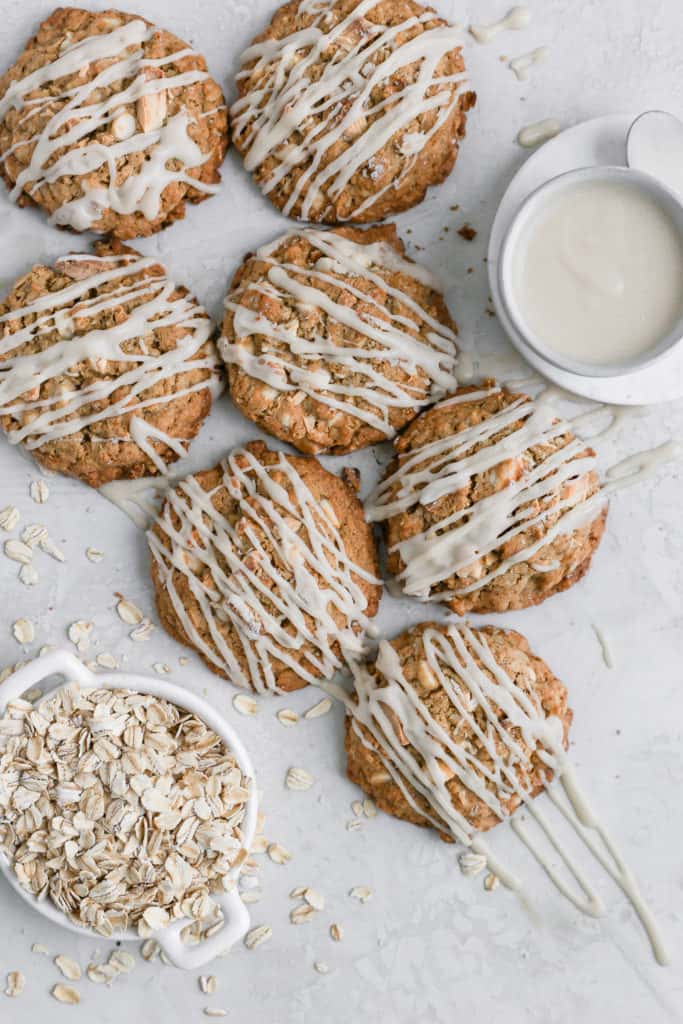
x=235 y=914
x=529 y=209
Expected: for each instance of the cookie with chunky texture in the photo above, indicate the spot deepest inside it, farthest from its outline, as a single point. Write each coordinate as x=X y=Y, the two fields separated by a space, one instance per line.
x=107 y=368
x=110 y=124
x=349 y=111
x=491 y=503
x=334 y=340
x=455 y=727
x=266 y=567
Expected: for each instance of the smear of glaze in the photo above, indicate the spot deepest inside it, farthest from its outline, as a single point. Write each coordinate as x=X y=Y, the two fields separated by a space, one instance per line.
x=541 y=131
x=521 y=66
x=516 y=18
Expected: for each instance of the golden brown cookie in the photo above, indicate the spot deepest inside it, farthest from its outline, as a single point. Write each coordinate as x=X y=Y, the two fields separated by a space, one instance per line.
x=266 y=567
x=451 y=727
x=334 y=340
x=350 y=110
x=107 y=368
x=491 y=503
x=110 y=124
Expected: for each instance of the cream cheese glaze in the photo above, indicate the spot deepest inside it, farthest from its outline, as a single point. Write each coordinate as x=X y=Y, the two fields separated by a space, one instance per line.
x=461 y=662
x=77 y=117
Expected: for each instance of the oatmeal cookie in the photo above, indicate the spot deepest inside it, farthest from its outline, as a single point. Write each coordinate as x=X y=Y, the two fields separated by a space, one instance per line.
x=491 y=503
x=334 y=340
x=107 y=368
x=350 y=110
x=110 y=124
x=266 y=567
x=451 y=726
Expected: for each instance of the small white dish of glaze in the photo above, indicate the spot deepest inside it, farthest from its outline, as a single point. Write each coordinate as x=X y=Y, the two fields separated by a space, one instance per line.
x=644 y=367
x=235 y=915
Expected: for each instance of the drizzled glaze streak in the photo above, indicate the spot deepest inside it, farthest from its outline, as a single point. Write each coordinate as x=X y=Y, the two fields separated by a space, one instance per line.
x=461 y=662
x=550 y=489
x=297 y=116
x=286 y=607
x=40 y=409
x=410 y=340
x=67 y=120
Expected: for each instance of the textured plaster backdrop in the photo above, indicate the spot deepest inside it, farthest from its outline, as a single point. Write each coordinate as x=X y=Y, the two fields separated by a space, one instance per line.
x=431 y=946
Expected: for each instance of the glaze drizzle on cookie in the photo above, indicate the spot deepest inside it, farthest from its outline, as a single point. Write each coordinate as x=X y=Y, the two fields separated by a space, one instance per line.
x=282 y=607
x=411 y=339
x=102 y=61
x=35 y=389
x=421 y=757
x=279 y=114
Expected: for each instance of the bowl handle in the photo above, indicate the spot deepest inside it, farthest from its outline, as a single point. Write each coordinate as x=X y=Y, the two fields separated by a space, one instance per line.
x=57 y=662
x=236 y=922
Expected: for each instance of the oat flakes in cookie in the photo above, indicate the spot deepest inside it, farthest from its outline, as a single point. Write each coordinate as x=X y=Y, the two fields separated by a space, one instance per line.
x=110 y=124
x=334 y=340
x=491 y=503
x=350 y=110
x=107 y=368
x=124 y=809
x=442 y=728
x=266 y=566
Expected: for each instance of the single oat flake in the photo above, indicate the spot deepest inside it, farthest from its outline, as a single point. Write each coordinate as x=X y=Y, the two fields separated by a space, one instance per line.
x=18 y=551
x=94 y=554
x=257 y=936
x=287 y=717
x=39 y=491
x=23 y=631
x=361 y=893
x=15 y=984
x=245 y=704
x=278 y=854
x=129 y=612
x=66 y=994
x=321 y=708
x=68 y=967
x=298 y=778
x=208 y=984
x=9 y=518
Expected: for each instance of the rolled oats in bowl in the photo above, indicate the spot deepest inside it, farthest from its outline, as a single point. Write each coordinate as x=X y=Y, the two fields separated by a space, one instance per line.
x=124 y=809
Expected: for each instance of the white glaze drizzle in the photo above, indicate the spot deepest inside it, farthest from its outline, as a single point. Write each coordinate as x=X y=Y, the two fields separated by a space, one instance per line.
x=76 y=118
x=541 y=131
x=516 y=18
x=456 y=543
x=265 y=118
x=325 y=580
x=521 y=66
x=462 y=663
x=50 y=418
x=392 y=341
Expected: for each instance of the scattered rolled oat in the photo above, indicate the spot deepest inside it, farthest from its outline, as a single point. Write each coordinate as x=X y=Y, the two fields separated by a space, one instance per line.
x=38 y=947
x=15 y=984
x=207 y=984
x=39 y=491
x=302 y=914
x=18 y=551
x=68 y=967
x=257 y=936
x=129 y=612
x=287 y=717
x=471 y=863
x=245 y=704
x=369 y=808
x=66 y=994
x=297 y=893
x=354 y=825
x=314 y=899
x=106 y=660
x=161 y=669
x=215 y=1011
x=23 y=631
x=357 y=807
x=94 y=554
x=321 y=967
x=491 y=882
x=149 y=949
x=278 y=854
x=33 y=534
x=101 y=974
x=361 y=893
x=9 y=518
x=79 y=634
x=122 y=960
x=336 y=932
x=298 y=778
x=321 y=708
x=149 y=766
x=142 y=632
x=28 y=575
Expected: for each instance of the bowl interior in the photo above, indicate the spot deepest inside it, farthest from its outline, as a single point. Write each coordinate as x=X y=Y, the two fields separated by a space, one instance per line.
x=531 y=208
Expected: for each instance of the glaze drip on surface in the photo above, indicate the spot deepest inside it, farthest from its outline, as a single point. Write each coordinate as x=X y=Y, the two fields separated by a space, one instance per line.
x=390 y=337
x=290 y=615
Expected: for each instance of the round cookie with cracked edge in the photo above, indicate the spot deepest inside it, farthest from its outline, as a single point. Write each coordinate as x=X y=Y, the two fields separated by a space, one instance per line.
x=266 y=567
x=334 y=340
x=107 y=368
x=110 y=124
x=491 y=504
x=424 y=687
x=350 y=111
